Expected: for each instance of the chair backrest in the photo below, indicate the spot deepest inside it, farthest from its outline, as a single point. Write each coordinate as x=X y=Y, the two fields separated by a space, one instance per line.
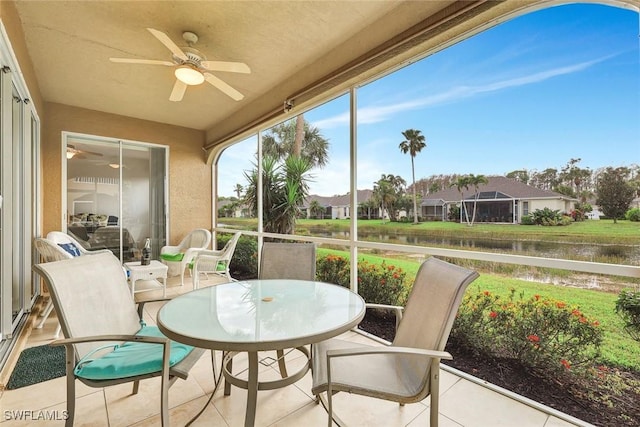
x=49 y=250
x=209 y=263
x=198 y=238
x=60 y=238
x=230 y=247
x=432 y=305
x=288 y=261
x=91 y=296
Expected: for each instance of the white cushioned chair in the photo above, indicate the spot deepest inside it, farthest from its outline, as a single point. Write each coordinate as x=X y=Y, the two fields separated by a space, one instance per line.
x=179 y=257
x=408 y=370
x=217 y=262
x=107 y=342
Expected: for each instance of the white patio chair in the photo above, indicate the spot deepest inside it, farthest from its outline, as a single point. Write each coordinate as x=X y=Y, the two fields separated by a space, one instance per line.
x=63 y=239
x=287 y=261
x=179 y=257
x=107 y=342
x=55 y=247
x=408 y=370
x=215 y=262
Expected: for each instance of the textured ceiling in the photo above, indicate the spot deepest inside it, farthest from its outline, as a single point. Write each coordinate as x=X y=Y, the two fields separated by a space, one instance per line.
x=287 y=44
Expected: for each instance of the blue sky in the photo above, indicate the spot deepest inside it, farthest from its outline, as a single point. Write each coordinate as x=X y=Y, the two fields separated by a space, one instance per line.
x=533 y=92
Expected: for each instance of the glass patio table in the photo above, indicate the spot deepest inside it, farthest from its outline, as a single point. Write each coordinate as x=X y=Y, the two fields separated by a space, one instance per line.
x=260 y=315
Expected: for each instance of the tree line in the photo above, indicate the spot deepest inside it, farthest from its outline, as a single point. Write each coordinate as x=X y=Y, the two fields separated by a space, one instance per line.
x=570 y=180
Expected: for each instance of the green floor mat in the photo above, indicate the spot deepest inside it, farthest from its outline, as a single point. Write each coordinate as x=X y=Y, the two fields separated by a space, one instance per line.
x=37 y=364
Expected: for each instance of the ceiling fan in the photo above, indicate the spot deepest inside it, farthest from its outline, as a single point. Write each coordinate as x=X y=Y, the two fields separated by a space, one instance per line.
x=73 y=152
x=191 y=66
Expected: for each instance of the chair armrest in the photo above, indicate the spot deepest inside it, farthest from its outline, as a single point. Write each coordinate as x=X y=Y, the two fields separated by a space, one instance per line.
x=96 y=338
x=398 y=310
x=209 y=252
x=190 y=254
x=361 y=351
x=170 y=250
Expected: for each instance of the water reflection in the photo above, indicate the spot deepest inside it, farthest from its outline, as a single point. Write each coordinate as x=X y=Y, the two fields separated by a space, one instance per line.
x=619 y=254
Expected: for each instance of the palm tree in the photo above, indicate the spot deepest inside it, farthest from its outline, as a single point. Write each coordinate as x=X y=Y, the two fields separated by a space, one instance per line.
x=238 y=189
x=476 y=181
x=414 y=142
x=285 y=139
x=462 y=183
x=284 y=189
x=290 y=150
x=387 y=191
x=315 y=209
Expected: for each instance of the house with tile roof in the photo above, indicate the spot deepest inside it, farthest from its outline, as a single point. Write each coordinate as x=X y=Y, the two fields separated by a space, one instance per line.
x=337 y=207
x=500 y=200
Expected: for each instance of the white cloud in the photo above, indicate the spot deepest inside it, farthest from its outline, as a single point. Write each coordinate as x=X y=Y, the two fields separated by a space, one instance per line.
x=376 y=114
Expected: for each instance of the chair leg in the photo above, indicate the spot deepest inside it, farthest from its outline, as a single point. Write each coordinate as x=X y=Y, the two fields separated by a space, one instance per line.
x=164 y=398
x=435 y=392
x=182 y=277
x=45 y=314
x=71 y=385
x=136 y=387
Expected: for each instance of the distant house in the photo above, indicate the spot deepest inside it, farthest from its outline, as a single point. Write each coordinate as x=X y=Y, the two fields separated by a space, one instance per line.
x=502 y=199
x=337 y=207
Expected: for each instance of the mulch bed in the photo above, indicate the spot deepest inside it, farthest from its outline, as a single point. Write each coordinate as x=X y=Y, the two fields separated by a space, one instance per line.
x=570 y=398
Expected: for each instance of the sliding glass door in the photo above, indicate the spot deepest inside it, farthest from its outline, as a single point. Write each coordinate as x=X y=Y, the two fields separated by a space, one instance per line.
x=18 y=150
x=115 y=194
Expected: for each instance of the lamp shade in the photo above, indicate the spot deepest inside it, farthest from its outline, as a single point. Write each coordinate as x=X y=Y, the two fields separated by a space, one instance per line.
x=189 y=76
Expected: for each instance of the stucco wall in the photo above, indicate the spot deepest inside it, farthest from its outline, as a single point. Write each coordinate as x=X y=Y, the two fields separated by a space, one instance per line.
x=12 y=25
x=553 y=204
x=189 y=176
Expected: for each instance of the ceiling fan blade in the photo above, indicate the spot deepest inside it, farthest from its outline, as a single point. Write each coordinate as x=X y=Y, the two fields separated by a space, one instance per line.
x=232 y=67
x=178 y=91
x=91 y=153
x=223 y=86
x=165 y=40
x=142 y=61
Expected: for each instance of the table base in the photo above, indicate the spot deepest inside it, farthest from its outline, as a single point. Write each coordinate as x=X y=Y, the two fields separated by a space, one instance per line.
x=252 y=385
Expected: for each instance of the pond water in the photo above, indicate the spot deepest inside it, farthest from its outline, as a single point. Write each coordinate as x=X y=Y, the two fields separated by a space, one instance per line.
x=619 y=254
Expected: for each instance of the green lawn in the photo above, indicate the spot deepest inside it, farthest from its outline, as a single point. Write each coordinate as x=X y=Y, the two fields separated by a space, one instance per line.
x=618 y=348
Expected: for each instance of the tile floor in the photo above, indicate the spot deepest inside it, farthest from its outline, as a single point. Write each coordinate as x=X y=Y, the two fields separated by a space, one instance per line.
x=463 y=401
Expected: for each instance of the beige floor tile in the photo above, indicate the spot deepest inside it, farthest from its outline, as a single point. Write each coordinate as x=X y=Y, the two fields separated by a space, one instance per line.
x=474 y=405
x=557 y=422
x=181 y=415
x=272 y=404
x=126 y=408
x=363 y=411
x=311 y=414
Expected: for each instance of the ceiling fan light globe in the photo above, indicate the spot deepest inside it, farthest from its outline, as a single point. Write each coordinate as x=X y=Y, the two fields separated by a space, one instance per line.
x=189 y=76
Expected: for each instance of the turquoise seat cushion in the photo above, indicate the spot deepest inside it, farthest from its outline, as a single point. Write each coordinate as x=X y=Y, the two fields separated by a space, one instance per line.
x=131 y=358
x=172 y=257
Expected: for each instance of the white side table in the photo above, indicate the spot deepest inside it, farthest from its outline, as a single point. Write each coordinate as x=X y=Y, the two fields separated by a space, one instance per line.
x=154 y=271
